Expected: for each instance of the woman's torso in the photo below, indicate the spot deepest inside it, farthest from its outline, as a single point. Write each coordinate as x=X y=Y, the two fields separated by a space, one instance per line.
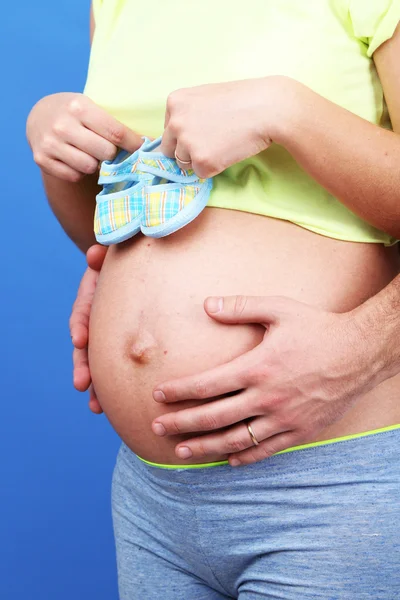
x=148 y=324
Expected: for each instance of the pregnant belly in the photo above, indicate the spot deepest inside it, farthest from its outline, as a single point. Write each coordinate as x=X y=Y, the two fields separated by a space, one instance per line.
x=148 y=324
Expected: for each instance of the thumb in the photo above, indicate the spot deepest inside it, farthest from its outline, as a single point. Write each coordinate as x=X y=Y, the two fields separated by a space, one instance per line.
x=246 y=309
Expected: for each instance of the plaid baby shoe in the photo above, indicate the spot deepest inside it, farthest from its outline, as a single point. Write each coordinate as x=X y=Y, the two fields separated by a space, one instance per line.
x=171 y=206
x=119 y=211
x=146 y=191
x=120 y=204
x=174 y=198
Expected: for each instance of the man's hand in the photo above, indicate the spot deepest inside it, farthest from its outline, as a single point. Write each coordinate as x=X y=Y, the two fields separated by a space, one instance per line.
x=310 y=368
x=79 y=324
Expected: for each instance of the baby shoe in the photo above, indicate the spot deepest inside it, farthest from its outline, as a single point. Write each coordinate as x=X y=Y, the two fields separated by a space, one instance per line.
x=122 y=167
x=146 y=191
x=171 y=206
x=120 y=204
x=174 y=198
x=119 y=211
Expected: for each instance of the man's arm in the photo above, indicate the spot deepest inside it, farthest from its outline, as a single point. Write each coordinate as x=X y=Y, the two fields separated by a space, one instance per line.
x=379 y=322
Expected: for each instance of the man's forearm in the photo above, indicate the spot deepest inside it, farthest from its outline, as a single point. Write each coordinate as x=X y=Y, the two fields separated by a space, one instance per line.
x=73 y=204
x=355 y=160
x=379 y=322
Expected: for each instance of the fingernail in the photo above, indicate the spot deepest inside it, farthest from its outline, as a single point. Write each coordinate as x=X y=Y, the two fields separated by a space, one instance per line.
x=235 y=462
x=159 y=396
x=184 y=452
x=159 y=429
x=214 y=305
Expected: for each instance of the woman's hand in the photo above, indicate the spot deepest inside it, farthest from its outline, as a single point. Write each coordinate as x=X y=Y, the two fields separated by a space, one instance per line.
x=79 y=324
x=217 y=125
x=310 y=368
x=69 y=135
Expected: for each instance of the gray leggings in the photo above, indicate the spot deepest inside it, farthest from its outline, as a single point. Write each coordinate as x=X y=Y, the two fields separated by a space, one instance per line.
x=321 y=522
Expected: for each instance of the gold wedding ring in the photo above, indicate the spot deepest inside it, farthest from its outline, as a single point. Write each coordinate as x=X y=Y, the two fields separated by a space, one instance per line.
x=252 y=434
x=183 y=162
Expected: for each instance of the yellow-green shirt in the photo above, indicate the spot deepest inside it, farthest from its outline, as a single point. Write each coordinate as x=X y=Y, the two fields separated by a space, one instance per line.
x=144 y=50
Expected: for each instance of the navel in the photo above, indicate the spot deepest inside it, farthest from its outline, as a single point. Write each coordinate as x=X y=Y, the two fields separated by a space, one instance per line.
x=143 y=347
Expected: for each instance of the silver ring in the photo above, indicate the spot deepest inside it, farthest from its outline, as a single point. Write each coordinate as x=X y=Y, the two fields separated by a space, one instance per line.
x=252 y=434
x=183 y=162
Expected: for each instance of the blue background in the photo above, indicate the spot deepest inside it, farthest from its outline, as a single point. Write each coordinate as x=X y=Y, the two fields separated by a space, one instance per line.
x=56 y=457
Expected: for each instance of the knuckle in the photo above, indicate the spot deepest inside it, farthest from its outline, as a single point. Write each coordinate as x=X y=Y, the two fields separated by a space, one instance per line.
x=90 y=167
x=283 y=422
x=173 y=99
x=201 y=449
x=185 y=141
x=47 y=143
x=203 y=164
x=266 y=451
x=208 y=423
x=116 y=135
x=239 y=305
x=176 y=125
x=75 y=107
x=262 y=404
x=39 y=157
x=201 y=389
x=275 y=403
x=74 y=176
x=256 y=374
x=59 y=128
x=72 y=320
x=175 y=426
x=235 y=444
x=109 y=152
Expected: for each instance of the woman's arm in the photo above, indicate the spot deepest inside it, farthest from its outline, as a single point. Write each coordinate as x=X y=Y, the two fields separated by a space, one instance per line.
x=217 y=125
x=73 y=203
x=358 y=162
x=69 y=135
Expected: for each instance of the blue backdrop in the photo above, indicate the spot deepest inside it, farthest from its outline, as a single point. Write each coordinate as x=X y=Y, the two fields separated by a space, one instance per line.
x=56 y=458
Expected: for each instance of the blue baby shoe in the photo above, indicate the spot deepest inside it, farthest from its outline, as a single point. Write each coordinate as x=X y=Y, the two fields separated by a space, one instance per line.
x=120 y=204
x=174 y=198
x=146 y=191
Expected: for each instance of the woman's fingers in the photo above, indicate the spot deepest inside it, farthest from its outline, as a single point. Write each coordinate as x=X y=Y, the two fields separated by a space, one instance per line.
x=207 y=417
x=233 y=440
x=168 y=144
x=79 y=320
x=58 y=169
x=81 y=369
x=75 y=158
x=90 y=142
x=95 y=256
x=94 y=404
x=225 y=379
x=99 y=121
x=182 y=156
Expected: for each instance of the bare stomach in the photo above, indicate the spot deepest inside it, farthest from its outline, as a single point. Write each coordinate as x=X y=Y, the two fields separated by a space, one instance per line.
x=148 y=324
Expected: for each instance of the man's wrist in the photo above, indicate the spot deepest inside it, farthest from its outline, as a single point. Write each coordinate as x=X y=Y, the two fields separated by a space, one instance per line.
x=378 y=320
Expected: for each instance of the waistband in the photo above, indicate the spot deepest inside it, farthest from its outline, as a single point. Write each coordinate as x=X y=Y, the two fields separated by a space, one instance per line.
x=302 y=447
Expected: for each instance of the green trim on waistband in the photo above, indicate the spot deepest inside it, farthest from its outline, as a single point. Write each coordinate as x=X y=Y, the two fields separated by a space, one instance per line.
x=291 y=449
x=197 y=466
